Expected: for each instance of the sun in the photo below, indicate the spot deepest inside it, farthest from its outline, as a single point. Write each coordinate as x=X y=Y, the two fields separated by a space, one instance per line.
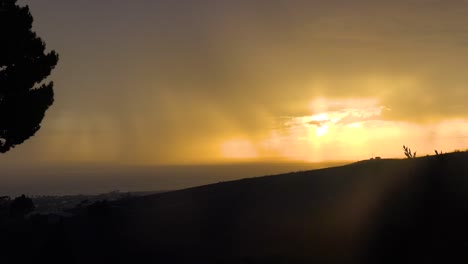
x=321 y=131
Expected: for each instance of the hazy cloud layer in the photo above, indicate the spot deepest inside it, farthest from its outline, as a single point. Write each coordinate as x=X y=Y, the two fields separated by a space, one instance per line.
x=168 y=81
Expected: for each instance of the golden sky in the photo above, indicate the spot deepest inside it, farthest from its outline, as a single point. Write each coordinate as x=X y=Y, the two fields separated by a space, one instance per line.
x=175 y=82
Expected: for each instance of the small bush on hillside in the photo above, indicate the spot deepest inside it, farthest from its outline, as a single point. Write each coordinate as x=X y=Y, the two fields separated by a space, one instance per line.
x=408 y=153
x=21 y=206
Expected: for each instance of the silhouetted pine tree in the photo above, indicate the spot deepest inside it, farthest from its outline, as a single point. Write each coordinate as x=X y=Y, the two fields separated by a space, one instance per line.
x=24 y=65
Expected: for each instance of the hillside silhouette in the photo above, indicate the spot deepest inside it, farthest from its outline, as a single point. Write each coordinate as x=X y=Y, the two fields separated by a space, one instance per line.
x=375 y=211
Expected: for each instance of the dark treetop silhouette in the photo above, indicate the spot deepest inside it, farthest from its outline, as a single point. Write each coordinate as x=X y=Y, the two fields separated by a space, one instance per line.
x=24 y=64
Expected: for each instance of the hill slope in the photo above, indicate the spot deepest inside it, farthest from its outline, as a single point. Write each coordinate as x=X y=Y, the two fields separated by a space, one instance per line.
x=379 y=211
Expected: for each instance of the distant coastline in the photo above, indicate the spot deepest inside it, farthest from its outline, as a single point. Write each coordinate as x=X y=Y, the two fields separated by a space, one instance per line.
x=82 y=179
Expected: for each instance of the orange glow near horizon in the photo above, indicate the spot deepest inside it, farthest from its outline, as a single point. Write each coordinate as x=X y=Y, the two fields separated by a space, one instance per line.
x=336 y=129
x=239 y=149
x=351 y=129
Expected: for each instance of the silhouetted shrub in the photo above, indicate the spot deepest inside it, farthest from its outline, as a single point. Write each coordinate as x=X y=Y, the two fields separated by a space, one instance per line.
x=408 y=153
x=21 y=206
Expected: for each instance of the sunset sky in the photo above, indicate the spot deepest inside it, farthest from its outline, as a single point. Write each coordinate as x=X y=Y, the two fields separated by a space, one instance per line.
x=185 y=82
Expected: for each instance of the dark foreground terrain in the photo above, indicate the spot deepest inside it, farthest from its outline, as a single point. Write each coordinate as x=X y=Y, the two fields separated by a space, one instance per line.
x=376 y=211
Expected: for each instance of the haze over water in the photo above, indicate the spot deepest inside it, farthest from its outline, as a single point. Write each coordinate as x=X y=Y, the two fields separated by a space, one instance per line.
x=92 y=179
